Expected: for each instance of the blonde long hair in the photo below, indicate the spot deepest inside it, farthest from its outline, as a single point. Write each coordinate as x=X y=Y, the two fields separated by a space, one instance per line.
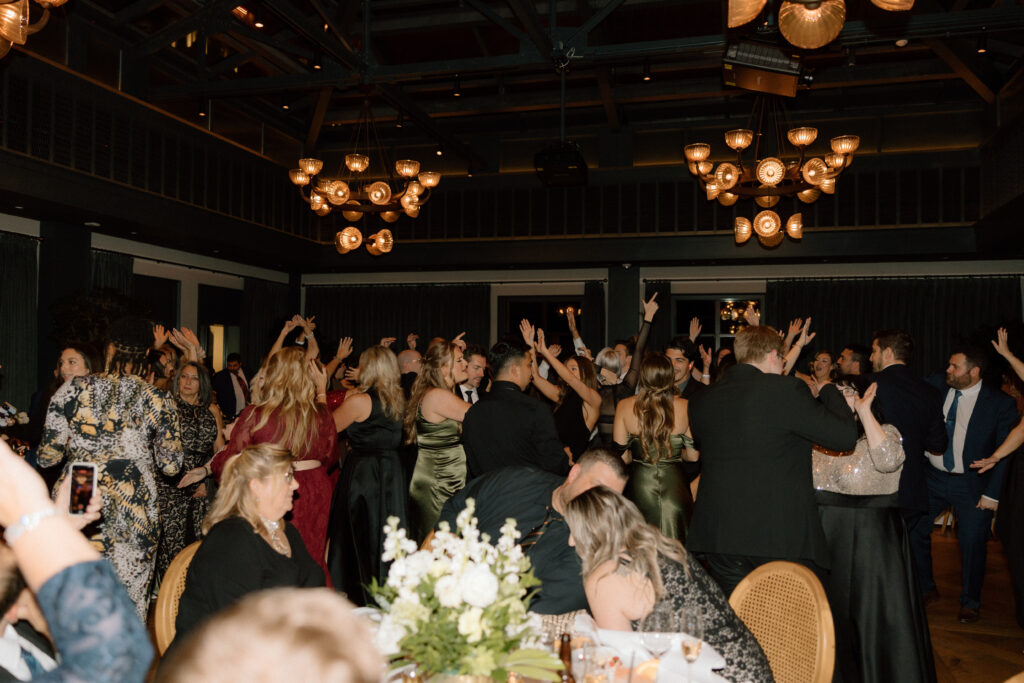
x=288 y=394
x=378 y=370
x=234 y=498
x=654 y=407
x=440 y=354
x=605 y=526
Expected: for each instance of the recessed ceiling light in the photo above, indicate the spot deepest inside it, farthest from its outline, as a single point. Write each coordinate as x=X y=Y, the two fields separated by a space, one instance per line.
x=258 y=24
x=19 y=207
x=92 y=224
x=134 y=232
x=902 y=42
x=284 y=106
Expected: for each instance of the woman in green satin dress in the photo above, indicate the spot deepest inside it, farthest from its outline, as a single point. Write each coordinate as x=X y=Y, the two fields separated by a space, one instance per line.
x=434 y=421
x=654 y=429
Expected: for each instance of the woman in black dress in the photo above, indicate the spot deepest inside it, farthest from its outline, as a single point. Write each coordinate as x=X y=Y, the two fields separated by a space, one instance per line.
x=248 y=546
x=371 y=486
x=183 y=505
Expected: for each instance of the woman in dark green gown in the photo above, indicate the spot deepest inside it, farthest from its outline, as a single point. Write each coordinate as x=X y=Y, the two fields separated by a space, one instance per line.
x=654 y=428
x=434 y=421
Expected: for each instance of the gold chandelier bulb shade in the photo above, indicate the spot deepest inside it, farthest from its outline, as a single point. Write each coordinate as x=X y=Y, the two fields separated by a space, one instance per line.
x=323 y=210
x=894 y=5
x=389 y=216
x=811 y=28
x=298 y=177
x=338 y=192
x=311 y=166
x=767 y=223
x=316 y=200
x=412 y=211
x=809 y=196
x=321 y=185
x=14 y=21
x=429 y=178
x=742 y=229
x=352 y=215
x=339 y=243
x=814 y=171
x=766 y=201
x=828 y=185
x=795 y=226
x=845 y=144
x=835 y=161
x=727 y=176
x=803 y=136
x=744 y=11
x=712 y=190
x=357 y=163
x=414 y=188
x=728 y=198
x=704 y=167
x=407 y=168
x=383 y=241
x=771 y=240
x=351 y=237
x=770 y=171
x=379 y=193
x=409 y=201
x=372 y=248
x=739 y=139
x=698 y=151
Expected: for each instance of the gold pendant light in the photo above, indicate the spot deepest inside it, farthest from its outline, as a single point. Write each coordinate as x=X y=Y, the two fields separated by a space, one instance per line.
x=812 y=25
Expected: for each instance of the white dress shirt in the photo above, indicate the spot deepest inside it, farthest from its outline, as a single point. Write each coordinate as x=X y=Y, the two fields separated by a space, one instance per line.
x=470 y=394
x=240 y=401
x=964 y=409
x=11 y=646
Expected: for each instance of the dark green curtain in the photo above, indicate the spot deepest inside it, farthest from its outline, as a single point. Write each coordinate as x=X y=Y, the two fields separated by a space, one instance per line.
x=368 y=312
x=936 y=311
x=661 y=330
x=19 y=263
x=111 y=271
x=265 y=308
x=592 y=328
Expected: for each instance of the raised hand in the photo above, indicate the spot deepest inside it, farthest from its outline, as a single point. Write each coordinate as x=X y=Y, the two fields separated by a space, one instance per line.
x=309 y=324
x=459 y=341
x=863 y=403
x=705 y=357
x=650 y=307
x=410 y=341
x=586 y=354
x=92 y=510
x=160 y=336
x=570 y=316
x=386 y=342
x=344 y=348
x=289 y=325
x=795 y=325
x=541 y=347
x=318 y=375
x=806 y=338
x=191 y=337
x=695 y=328
x=352 y=374
x=752 y=317
x=528 y=331
x=1001 y=344
x=556 y=350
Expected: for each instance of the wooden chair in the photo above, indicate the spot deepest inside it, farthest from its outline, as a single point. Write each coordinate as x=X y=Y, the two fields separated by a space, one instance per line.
x=171 y=589
x=784 y=606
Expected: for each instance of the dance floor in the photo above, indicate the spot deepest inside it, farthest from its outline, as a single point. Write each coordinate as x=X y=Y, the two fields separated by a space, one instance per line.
x=988 y=651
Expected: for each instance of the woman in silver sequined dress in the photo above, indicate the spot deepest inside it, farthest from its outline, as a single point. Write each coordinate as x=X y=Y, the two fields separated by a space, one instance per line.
x=881 y=629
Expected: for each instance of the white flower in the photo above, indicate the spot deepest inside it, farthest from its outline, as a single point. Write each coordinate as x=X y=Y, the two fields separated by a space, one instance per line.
x=470 y=625
x=389 y=633
x=479 y=585
x=447 y=591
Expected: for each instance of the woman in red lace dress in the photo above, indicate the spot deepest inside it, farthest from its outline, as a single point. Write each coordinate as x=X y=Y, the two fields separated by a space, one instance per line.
x=291 y=413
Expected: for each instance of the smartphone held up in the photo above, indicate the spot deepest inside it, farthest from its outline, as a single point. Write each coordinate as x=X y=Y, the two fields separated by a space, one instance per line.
x=83 y=486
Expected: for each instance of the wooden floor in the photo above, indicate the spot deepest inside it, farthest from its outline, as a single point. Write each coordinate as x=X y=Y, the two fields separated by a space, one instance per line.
x=988 y=651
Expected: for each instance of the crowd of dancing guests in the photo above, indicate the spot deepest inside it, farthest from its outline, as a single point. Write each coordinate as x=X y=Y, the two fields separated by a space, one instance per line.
x=643 y=477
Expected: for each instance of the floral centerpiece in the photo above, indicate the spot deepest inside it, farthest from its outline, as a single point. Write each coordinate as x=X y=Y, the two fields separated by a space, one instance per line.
x=459 y=608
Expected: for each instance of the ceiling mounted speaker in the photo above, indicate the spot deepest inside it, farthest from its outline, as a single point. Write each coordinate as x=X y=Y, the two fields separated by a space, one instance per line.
x=894 y=5
x=744 y=11
x=811 y=28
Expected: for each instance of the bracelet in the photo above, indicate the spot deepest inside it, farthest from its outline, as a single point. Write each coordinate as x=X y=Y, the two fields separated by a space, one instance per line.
x=208 y=470
x=27 y=523
x=705 y=374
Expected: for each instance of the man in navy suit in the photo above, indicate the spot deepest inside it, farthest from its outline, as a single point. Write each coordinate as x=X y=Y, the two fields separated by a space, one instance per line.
x=978 y=416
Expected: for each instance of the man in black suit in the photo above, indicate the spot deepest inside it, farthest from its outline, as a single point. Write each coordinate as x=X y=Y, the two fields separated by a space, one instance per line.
x=978 y=417
x=507 y=427
x=25 y=651
x=476 y=367
x=914 y=407
x=683 y=353
x=232 y=388
x=756 y=427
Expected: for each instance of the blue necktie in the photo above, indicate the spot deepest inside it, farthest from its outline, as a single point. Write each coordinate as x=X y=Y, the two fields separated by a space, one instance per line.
x=948 y=461
x=34 y=666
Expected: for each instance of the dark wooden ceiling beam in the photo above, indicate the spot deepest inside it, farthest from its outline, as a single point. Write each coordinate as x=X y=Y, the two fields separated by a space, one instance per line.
x=491 y=15
x=136 y=10
x=946 y=54
x=175 y=30
x=611 y=110
x=323 y=100
x=526 y=13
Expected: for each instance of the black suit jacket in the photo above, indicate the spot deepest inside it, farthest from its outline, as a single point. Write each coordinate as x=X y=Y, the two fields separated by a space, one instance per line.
x=914 y=407
x=756 y=495
x=225 y=389
x=993 y=417
x=506 y=428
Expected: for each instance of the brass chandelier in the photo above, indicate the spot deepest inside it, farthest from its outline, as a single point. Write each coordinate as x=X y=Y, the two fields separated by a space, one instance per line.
x=767 y=178
x=808 y=24
x=15 y=26
x=404 y=191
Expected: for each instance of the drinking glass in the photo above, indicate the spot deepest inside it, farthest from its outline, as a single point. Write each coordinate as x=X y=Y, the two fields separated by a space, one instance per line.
x=691 y=622
x=658 y=629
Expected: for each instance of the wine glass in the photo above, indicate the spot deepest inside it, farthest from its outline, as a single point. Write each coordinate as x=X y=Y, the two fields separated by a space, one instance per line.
x=658 y=629
x=691 y=622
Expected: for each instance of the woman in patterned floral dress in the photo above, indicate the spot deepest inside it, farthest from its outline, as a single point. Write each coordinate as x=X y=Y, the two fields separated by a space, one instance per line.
x=128 y=430
x=630 y=569
x=183 y=507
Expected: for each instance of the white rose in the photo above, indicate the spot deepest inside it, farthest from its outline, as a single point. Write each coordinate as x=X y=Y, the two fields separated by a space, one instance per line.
x=447 y=591
x=479 y=586
x=470 y=625
x=389 y=633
